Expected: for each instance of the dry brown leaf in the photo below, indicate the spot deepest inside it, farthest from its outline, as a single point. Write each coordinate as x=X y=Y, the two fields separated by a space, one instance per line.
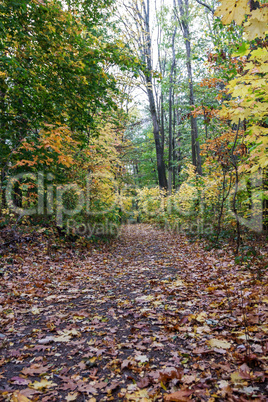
x=178 y=396
x=18 y=397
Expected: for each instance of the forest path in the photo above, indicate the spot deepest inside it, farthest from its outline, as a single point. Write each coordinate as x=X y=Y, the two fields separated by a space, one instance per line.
x=139 y=319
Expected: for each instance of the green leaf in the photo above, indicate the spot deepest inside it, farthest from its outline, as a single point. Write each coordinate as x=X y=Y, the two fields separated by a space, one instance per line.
x=242 y=50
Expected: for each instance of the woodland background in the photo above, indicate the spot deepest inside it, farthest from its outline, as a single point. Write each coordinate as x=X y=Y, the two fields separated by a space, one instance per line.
x=133 y=242
x=189 y=154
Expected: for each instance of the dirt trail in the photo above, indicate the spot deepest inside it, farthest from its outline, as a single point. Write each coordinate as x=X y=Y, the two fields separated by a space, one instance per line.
x=145 y=317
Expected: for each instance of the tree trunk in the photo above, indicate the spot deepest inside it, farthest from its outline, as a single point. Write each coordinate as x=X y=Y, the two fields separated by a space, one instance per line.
x=170 y=105
x=265 y=200
x=161 y=170
x=162 y=122
x=184 y=23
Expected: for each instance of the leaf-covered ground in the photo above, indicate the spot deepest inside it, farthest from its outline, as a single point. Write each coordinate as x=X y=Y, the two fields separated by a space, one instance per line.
x=147 y=317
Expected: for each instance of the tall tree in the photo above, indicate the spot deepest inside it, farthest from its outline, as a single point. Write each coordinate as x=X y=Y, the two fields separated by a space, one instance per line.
x=55 y=70
x=182 y=13
x=139 y=13
x=170 y=107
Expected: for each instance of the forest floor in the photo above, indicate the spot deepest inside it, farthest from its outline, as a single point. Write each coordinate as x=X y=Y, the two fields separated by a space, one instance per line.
x=146 y=317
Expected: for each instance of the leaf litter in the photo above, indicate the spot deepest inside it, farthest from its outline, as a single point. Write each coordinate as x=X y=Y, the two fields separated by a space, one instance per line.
x=146 y=317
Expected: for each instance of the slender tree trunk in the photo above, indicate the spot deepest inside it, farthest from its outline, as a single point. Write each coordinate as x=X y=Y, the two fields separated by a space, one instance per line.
x=184 y=23
x=162 y=122
x=170 y=102
x=139 y=12
x=162 y=69
x=3 y=194
x=174 y=158
x=149 y=86
x=158 y=146
x=265 y=200
x=234 y=204
x=178 y=138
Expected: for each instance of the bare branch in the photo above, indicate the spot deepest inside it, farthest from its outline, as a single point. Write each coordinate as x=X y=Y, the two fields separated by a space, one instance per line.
x=205 y=5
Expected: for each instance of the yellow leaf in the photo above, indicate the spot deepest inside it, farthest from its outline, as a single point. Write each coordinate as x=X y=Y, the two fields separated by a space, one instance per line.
x=236 y=377
x=218 y=343
x=178 y=282
x=211 y=288
x=35 y=311
x=141 y=396
x=18 y=397
x=62 y=338
x=201 y=317
x=233 y=11
x=255 y=28
x=42 y=385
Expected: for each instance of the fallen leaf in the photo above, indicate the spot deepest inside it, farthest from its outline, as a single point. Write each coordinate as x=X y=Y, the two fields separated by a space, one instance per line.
x=144 y=382
x=35 y=369
x=178 y=396
x=141 y=358
x=72 y=396
x=46 y=340
x=188 y=379
x=201 y=317
x=18 y=397
x=169 y=373
x=219 y=344
x=236 y=377
x=43 y=384
x=141 y=396
x=19 y=381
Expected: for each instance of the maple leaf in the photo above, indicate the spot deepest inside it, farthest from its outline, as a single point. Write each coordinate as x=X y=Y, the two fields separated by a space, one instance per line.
x=200 y=317
x=46 y=340
x=35 y=311
x=65 y=336
x=43 y=384
x=35 y=369
x=141 y=395
x=244 y=371
x=257 y=24
x=178 y=283
x=72 y=396
x=83 y=387
x=179 y=396
x=125 y=363
x=19 y=381
x=233 y=10
x=188 y=379
x=18 y=397
x=236 y=377
x=141 y=358
x=144 y=382
x=220 y=344
x=169 y=373
x=224 y=388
